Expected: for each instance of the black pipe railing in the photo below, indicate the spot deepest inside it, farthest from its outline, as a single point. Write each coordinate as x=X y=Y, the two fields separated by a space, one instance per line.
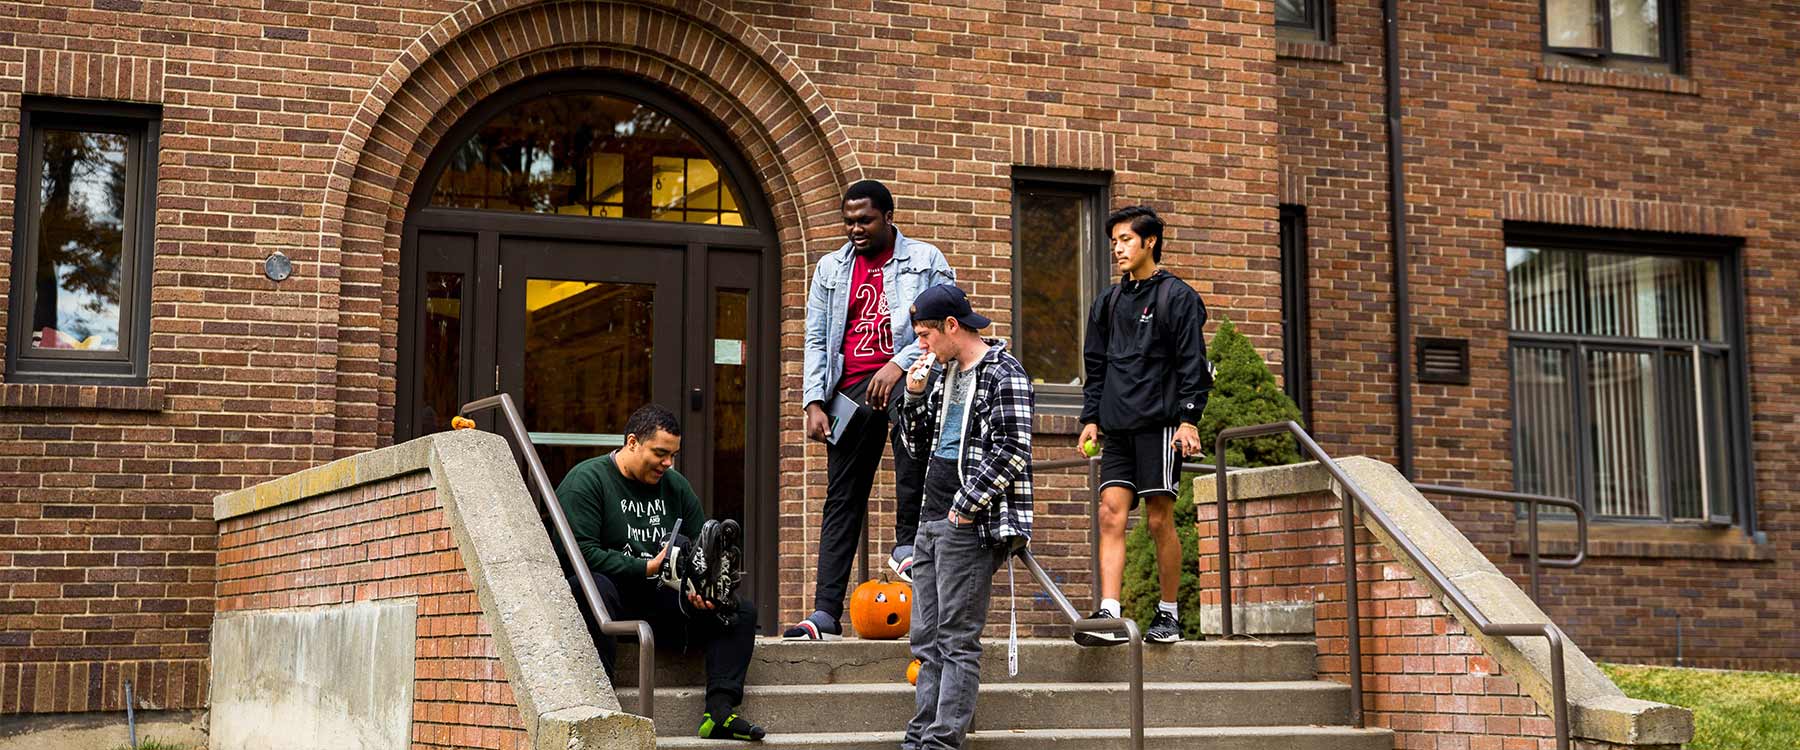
x=1358 y=500
x=545 y=496
x=1531 y=501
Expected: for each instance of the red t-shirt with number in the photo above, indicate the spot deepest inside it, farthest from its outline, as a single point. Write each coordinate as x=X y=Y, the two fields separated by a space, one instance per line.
x=868 y=336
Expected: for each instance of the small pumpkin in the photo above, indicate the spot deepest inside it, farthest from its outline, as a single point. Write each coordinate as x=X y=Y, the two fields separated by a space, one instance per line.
x=881 y=610
x=912 y=672
x=461 y=423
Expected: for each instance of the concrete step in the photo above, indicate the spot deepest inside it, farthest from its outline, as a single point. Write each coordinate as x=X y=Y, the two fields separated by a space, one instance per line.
x=1213 y=738
x=878 y=707
x=779 y=662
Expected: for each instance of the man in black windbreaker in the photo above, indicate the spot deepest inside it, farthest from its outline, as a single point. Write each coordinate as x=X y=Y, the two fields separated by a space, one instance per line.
x=1147 y=381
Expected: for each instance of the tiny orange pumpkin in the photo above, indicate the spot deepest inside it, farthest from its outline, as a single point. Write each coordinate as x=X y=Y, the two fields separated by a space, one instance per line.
x=881 y=610
x=912 y=672
x=461 y=423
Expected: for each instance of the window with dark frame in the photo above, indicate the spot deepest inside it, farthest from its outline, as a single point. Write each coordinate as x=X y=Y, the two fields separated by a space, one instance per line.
x=1627 y=368
x=1296 y=352
x=84 y=224
x=1059 y=265
x=1631 y=31
x=1303 y=20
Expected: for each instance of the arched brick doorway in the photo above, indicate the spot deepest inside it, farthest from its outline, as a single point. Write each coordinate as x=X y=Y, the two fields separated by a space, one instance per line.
x=588 y=242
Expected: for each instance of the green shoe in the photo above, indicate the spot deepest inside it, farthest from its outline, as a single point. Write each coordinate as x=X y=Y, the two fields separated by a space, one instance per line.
x=734 y=727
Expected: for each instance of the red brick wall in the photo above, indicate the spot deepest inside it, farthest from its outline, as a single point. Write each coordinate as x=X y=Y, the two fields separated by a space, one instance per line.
x=1495 y=134
x=386 y=540
x=1655 y=608
x=1424 y=676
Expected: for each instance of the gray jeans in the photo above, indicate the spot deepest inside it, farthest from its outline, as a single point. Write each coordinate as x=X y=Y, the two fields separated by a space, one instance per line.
x=952 y=578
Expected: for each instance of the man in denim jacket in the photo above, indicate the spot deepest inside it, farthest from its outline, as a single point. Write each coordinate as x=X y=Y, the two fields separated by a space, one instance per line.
x=859 y=341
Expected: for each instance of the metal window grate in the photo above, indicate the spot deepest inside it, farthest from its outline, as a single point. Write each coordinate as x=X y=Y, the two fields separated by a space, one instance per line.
x=1443 y=361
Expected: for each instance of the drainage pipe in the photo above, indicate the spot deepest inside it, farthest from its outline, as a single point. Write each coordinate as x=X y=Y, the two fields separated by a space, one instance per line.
x=1390 y=13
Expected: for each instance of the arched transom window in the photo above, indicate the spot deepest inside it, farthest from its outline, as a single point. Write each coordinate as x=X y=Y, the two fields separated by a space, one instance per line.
x=589 y=155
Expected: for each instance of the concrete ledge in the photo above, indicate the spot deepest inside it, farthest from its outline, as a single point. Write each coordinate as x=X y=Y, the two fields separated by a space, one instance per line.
x=1598 y=709
x=1262 y=618
x=564 y=696
x=543 y=643
x=336 y=476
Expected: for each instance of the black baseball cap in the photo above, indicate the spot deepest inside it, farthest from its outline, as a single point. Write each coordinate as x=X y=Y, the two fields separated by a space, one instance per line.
x=947 y=301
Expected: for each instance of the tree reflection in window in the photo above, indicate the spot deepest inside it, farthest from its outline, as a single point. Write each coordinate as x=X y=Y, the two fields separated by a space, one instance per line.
x=588 y=155
x=81 y=241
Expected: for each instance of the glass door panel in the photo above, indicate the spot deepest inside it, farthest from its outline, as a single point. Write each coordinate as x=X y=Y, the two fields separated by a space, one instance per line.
x=730 y=385
x=444 y=335
x=589 y=353
x=588 y=334
x=731 y=424
x=441 y=353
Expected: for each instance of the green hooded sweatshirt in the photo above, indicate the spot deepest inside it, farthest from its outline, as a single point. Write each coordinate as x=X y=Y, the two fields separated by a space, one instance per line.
x=619 y=522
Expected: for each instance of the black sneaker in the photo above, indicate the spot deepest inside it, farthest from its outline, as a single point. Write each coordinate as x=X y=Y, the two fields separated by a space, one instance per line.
x=1164 y=629
x=734 y=727
x=719 y=563
x=1092 y=639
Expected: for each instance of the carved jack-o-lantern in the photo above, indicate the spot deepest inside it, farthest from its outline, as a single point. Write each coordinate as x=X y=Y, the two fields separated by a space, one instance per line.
x=881 y=610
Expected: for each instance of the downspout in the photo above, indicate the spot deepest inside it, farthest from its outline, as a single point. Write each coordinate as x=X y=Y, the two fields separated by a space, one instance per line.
x=1390 y=13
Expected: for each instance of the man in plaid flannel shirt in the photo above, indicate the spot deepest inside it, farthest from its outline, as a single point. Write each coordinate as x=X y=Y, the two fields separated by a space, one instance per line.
x=970 y=420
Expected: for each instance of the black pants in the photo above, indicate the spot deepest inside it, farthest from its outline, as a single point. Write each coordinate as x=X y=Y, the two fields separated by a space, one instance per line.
x=850 y=472
x=727 y=646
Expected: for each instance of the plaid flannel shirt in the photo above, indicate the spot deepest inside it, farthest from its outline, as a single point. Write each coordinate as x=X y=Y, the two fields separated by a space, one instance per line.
x=995 y=460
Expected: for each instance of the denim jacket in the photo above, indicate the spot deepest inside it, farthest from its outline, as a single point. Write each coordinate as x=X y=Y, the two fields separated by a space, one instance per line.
x=915 y=267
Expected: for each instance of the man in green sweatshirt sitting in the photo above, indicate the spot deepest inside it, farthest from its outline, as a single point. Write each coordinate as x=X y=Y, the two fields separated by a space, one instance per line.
x=633 y=515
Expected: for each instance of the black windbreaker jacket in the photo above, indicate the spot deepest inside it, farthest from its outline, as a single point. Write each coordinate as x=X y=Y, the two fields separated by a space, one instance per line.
x=1146 y=366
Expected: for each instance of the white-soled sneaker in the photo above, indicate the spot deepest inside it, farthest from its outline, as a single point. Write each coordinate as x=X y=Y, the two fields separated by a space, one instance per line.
x=1092 y=639
x=1164 y=629
x=901 y=562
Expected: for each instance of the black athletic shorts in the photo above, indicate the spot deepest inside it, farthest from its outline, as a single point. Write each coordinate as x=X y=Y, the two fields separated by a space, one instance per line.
x=1145 y=461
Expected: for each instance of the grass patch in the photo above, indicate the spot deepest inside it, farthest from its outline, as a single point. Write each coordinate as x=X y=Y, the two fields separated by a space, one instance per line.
x=151 y=743
x=1732 y=710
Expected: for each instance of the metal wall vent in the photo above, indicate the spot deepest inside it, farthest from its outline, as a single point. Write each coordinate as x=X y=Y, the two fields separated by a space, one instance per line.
x=1443 y=361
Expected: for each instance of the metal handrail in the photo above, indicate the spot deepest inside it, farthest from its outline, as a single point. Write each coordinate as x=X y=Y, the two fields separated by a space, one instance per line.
x=547 y=503
x=1359 y=500
x=1531 y=501
x=1093 y=467
x=1079 y=624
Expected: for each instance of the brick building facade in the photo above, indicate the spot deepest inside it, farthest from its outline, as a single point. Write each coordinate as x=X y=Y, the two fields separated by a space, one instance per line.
x=1506 y=143
x=320 y=131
